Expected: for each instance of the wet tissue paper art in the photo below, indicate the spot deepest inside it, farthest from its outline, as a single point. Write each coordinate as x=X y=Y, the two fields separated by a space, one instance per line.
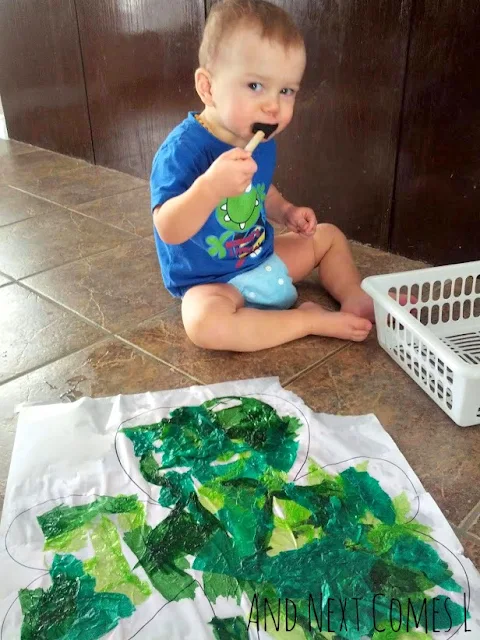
x=224 y=512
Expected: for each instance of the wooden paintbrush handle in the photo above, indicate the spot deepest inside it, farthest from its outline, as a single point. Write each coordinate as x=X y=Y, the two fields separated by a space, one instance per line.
x=255 y=141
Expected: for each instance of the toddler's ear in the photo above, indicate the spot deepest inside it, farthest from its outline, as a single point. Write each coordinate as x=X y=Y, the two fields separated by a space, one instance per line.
x=203 y=85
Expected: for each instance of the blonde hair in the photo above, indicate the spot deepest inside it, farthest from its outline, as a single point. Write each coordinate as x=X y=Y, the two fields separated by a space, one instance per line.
x=227 y=15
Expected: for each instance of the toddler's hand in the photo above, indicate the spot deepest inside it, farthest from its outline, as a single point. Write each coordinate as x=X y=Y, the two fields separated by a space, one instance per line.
x=301 y=220
x=231 y=173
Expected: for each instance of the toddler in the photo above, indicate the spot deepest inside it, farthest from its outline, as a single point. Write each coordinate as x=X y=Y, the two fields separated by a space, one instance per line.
x=212 y=200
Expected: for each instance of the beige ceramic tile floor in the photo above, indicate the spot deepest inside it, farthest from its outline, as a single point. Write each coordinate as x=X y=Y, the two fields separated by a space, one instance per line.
x=84 y=312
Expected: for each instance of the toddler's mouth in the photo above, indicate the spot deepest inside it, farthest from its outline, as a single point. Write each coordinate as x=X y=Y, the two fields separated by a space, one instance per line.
x=267 y=129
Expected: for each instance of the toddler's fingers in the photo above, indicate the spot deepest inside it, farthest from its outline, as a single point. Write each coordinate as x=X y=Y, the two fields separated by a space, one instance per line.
x=306 y=230
x=237 y=154
x=250 y=166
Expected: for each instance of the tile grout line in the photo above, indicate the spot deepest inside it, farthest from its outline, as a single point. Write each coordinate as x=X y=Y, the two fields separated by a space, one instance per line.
x=471 y=517
x=70 y=210
x=37 y=215
x=108 y=224
x=94 y=324
x=64 y=172
x=29 y=193
x=91 y=255
x=113 y=195
x=73 y=210
x=48 y=362
x=108 y=334
x=468 y=535
x=156 y=358
x=316 y=364
x=46 y=297
x=82 y=164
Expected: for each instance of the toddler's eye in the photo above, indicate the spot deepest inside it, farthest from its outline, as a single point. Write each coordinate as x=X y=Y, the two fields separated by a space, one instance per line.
x=255 y=86
x=287 y=92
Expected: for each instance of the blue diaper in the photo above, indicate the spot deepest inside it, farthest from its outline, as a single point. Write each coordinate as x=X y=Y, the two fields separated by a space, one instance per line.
x=268 y=286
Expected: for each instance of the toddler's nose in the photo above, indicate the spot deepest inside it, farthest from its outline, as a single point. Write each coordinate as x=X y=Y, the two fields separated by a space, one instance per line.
x=271 y=108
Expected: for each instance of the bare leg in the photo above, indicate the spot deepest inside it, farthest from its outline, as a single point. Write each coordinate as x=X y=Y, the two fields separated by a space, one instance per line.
x=327 y=249
x=214 y=317
x=340 y=277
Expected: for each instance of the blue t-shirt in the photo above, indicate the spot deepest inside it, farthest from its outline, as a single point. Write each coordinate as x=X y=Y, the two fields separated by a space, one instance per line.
x=236 y=237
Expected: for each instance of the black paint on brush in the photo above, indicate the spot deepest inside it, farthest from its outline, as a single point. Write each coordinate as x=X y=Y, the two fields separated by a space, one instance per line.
x=267 y=129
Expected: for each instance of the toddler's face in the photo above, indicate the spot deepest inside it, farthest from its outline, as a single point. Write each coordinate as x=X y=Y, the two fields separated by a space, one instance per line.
x=255 y=81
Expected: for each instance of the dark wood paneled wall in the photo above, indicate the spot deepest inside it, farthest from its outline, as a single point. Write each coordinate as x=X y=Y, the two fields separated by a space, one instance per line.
x=140 y=57
x=41 y=76
x=106 y=81
x=437 y=196
x=338 y=155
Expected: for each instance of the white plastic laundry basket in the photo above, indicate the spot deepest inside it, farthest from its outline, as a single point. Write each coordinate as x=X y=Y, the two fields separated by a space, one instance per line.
x=435 y=336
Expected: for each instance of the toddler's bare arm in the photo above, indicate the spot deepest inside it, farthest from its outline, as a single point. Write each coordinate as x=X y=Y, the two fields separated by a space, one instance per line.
x=276 y=206
x=179 y=218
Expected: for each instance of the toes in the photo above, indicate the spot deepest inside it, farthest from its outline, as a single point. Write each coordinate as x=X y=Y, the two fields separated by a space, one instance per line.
x=360 y=336
x=361 y=329
x=361 y=324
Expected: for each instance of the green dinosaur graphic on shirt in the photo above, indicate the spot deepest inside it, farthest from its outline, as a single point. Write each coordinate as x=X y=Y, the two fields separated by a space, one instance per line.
x=237 y=215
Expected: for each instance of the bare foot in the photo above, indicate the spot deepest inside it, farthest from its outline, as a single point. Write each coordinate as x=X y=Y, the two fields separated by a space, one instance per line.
x=360 y=304
x=336 y=324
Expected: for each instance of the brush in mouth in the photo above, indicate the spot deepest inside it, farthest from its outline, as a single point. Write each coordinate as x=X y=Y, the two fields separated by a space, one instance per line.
x=267 y=129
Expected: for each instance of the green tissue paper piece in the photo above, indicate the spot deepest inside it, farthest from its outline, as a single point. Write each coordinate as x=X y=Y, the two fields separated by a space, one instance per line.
x=416 y=554
x=70 y=609
x=293 y=513
x=382 y=537
x=291 y=531
x=68 y=541
x=395 y=581
x=219 y=555
x=166 y=574
x=134 y=519
x=144 y=437
x=402 y=634
x=110 y=568
x=195 y=437
x=77 y=539
x=362 y=493
x=317 y=475
x=282 y=538
x=211 y=498
x=363 y=466
x=229 y=628
x=369 y=519
x=63 y=519
x=162 y=551
x=296 y=633
x=218 y=584
x=274 y=481
x=246 y=515
x=401 y=504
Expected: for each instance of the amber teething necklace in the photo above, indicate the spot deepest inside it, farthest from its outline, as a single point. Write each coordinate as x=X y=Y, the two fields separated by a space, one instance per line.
x=201 y=121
